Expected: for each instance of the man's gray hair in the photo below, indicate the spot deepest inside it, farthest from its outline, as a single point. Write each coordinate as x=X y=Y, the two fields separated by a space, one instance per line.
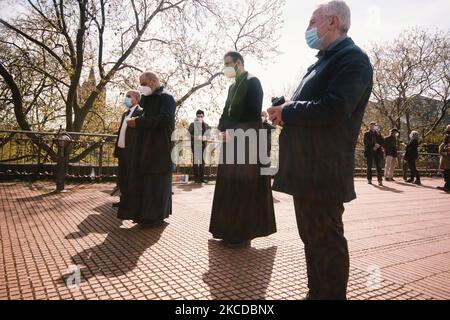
x=340 y=9
x=135 y=94
x=414 y=135
x=150 y=75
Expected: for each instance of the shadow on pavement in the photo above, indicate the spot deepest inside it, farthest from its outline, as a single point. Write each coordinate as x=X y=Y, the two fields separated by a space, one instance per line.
x=385 y=188
x=242 y=274
x=117 y=255
x=190 y=187
x=104 y=222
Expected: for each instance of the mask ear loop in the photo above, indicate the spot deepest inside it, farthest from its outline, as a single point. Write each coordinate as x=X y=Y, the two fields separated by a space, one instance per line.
x=323 y=37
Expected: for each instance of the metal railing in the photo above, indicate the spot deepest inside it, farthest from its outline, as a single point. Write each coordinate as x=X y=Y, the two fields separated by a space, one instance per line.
x=37 y=153
x=90 y=157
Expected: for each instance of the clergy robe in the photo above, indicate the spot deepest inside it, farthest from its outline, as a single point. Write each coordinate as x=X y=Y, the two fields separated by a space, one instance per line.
x=150 y=181
x=123 y=154
x=243 y=204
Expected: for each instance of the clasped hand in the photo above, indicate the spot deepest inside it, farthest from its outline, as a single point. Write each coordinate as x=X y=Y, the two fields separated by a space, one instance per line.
x=275 y=114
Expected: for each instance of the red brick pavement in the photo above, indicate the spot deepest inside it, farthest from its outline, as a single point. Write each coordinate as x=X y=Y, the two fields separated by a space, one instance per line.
x=399 y=240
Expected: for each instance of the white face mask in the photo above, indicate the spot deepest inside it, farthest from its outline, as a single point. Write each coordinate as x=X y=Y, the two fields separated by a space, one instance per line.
x=145 y=91
x=229 y=72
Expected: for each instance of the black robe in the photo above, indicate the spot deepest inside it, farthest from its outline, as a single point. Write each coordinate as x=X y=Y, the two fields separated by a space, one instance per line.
x=123 y=155
x=243 y=205
x=150 y=181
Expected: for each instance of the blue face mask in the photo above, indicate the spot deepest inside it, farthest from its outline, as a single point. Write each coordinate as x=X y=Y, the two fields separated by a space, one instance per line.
x=127 y=102
x=313 y=40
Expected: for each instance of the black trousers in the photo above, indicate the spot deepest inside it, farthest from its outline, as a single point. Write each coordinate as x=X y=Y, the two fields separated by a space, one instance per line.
x=405 y=169
x=447 y=179
x=199 y=168
x=413 y=170
x=122 y=176
x=326 y=251
x=377 y=158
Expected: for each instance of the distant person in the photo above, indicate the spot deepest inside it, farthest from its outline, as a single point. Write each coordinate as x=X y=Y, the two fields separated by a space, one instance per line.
x=199 y=131
x=269 y=130
x=373 y=151
x=390 y=149
x=411 y=156
x=444 y=150
x=125 y=142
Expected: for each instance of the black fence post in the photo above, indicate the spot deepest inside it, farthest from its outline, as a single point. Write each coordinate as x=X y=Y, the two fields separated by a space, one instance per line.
x=100 y=160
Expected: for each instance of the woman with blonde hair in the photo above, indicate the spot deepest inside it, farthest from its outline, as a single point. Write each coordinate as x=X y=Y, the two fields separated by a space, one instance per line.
x=411 y=156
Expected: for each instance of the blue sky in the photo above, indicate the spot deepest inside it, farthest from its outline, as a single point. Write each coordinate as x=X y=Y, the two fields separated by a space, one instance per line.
x=372 y=21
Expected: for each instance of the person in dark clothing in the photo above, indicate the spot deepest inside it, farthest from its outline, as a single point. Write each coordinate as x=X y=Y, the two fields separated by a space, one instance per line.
x=269 y=130
x=390 y=149
x=321 y=126
x=411 y=156
x=444 y=151
x=199 y=131
x=150 y=181
x=243 y=204
x=373 y=142
x=125 y=141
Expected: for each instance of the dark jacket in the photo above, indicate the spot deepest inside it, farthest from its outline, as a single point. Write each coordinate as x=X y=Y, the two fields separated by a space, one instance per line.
x=204 y=133
x=322 y=124
x=250 y=110
x=412 y=152
x=155 y=127
x=267 y=126
x=370 y=139
x=390 y=146
x=444 y=148
x=130 y=134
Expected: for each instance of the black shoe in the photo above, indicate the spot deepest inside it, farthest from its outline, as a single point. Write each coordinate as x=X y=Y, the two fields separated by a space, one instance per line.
x=417 y=182
x=410 y=180
x=116 y=204
x=369 y=182
x=443 y=189
x=205 y=181
x=310 y=296
x=236 y=245
x=151 y=224
x=307 y=297
x=380 y=183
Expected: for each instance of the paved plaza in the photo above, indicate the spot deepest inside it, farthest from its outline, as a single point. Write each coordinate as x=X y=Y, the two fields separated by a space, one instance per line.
x=399 y=241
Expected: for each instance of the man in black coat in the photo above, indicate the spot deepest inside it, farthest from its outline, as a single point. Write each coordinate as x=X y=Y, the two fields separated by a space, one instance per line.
x=125 y=141
x=269 y=129
x=390 y=148
x=151 y=175
x=317 y=146
x=373 y=151
x=411 y=156
x=199 y=131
